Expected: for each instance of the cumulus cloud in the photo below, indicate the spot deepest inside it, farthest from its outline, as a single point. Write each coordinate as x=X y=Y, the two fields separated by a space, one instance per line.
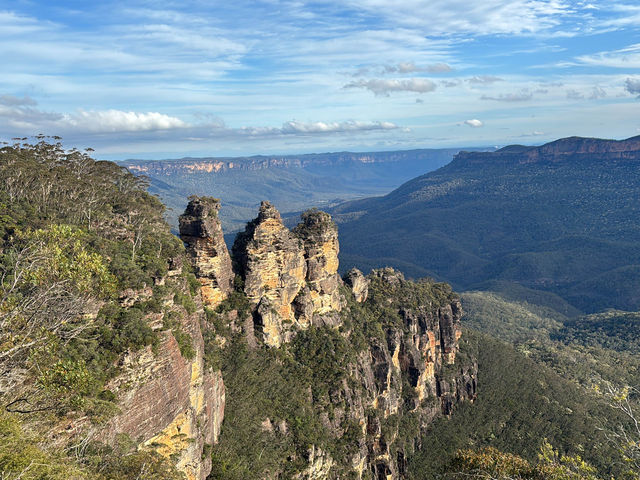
x=385 y=87
x=120 y=121
x=19 y=115
x=484 y=79
x=474 y=123
x=23 y=113
x=632 y=85
x=410 y=67
x=509 y=97
x=295 y=127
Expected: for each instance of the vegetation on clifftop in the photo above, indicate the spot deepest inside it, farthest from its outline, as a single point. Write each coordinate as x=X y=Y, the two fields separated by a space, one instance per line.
x=84 y=251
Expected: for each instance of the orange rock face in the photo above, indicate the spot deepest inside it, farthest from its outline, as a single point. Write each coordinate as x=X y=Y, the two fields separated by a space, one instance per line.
x=172 y=405
x=201 y=230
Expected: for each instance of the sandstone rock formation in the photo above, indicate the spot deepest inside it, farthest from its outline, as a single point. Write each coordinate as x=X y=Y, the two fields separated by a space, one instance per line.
x=271 y=261
x=320 y=242
x=201 y=231
x=290 y=277
x=291 y=283
x=358 y=283
x=410 y=356
x=170 y=404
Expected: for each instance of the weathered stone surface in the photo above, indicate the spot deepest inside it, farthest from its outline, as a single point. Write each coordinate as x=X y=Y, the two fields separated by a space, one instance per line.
x=358 y=283
x=320 y=464
x=271 y=261
x=411 y=356
x=170 y=404
x=320 y=241
x=291 y=281
x=201 y=230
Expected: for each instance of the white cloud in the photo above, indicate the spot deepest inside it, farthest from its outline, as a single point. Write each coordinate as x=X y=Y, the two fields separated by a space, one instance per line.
x=20 y=116
x=445 y=17
x=295 y=127
x=510 y=97
x=410 y=67
x=484 y=79
x=474 y=123
x=632 y=85
x=119 y=121
x=21 y=112
x=628 y=57
x=384 y=87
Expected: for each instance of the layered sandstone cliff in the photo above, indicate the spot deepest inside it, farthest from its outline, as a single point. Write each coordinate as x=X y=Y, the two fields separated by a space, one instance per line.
x=401 y=339
x=169 y=403
x=201 y=231
x=290 y=277
x=403 y=371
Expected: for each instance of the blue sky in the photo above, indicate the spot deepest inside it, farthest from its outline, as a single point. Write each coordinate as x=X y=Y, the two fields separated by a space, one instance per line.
x=153 y=79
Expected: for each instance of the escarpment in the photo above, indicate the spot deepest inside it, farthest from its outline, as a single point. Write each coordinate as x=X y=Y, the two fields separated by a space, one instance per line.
x=201 y=231
x=170 y=401
x=348 y=374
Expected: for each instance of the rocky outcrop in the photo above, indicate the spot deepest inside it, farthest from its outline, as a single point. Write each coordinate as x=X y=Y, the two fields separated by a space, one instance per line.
x=290 y=277
x=358 y=283
x=201 y=231
x=404 y=337
x=319 y=237
x=271 y=261
x=169 y=403
x=406 y=376
x=403 y=372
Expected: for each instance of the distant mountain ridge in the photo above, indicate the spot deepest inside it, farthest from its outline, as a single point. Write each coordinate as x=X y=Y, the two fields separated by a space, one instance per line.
x=259 y=162
x=561 y=218
x=293 y=182
x=559 y=150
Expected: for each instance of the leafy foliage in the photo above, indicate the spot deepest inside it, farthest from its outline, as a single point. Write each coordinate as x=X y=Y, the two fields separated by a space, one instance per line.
x=491 y=463
x=519 y=403
x=84 y=250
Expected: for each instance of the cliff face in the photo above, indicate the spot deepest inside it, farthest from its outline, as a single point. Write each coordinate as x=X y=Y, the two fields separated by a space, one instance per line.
x=170 y=404
x=574 y=148
x=399 y=342
x=289 y=277
x=201 y=231
x=224 y=164
x=409 y=373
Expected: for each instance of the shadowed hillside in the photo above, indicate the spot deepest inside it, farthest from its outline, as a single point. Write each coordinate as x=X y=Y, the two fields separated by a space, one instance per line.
x=561 y=218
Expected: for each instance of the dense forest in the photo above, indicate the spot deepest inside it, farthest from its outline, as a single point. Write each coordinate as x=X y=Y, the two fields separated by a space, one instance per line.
x=561 y=219
x=77 y=236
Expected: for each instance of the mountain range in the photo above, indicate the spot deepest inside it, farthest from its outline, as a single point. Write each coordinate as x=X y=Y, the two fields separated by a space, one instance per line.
x=292 y=182
x=127 y=352
x=562 y=219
